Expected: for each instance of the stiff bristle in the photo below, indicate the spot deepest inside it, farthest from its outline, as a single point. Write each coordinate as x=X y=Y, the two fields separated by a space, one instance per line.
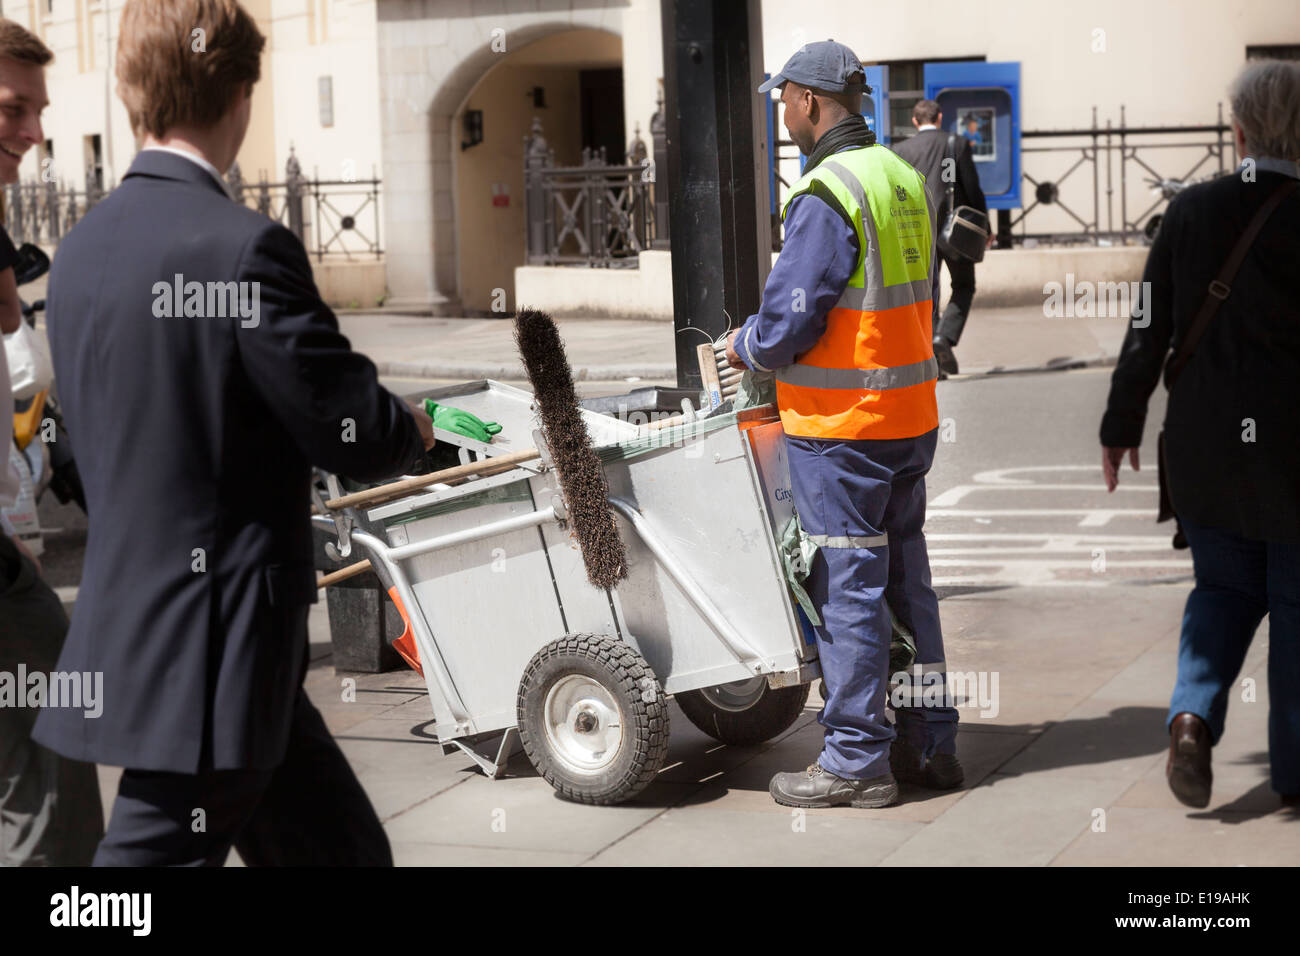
x=581 y=476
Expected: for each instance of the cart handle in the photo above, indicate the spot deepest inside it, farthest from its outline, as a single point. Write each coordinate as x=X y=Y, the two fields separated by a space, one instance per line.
x=396 y=489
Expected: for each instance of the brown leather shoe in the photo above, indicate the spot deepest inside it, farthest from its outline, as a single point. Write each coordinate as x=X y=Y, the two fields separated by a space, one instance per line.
x=1188 y=768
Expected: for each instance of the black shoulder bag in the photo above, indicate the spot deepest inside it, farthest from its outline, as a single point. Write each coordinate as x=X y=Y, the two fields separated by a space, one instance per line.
x=1218 y=291
x=965 y=230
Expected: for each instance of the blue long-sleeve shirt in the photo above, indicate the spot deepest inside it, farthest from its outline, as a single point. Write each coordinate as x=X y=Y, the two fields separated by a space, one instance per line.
x=813 y=270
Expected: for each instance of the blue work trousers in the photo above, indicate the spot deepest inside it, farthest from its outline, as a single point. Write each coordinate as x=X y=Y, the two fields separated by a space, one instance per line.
x=850 y=492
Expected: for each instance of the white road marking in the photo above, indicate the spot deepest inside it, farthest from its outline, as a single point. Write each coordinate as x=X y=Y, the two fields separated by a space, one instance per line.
x=954 y=496
x=1088 y=517
x=1051 y=557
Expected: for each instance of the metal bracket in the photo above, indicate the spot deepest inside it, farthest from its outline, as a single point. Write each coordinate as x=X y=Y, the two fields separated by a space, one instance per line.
x=342 y=520
x=803 y=674
x=495 y=768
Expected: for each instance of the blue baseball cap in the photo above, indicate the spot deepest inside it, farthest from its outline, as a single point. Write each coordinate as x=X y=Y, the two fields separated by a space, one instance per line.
x=824 y=65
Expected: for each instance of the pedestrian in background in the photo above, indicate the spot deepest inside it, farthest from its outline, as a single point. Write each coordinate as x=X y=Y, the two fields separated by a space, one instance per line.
x=1231 y=435
x=196 y=431
x=926 y=152
x=50 y=812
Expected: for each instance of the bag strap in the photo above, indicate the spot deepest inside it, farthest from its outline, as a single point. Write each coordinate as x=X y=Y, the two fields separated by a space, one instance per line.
x=1220 y=285
x=949 y=152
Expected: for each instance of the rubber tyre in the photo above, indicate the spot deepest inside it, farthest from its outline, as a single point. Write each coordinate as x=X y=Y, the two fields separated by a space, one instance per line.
x=772 y=714
x=643 y=710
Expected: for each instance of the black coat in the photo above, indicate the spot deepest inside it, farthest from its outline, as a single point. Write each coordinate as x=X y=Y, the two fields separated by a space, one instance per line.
x=195 y=438
x=1244 y=370
x=925 y=152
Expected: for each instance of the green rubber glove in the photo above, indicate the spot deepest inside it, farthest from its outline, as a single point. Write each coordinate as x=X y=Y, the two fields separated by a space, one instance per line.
x=460 y=422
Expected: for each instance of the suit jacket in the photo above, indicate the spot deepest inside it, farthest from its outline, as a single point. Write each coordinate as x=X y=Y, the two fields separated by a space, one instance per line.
x=925 y=152
x=1232 y=438
x=195 y=432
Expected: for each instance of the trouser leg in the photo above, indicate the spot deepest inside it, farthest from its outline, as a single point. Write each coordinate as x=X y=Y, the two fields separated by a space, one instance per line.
x=308 y=811
x=953 y=320
x=179 y=819
x=840 y=496
x=50 y=810
x=929 y=725
x=315 y=811
x=1284 y=665
x=1225 y=607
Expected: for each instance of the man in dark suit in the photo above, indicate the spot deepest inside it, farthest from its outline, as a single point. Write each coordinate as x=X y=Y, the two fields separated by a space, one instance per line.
x=202 y=376
x=926 y=151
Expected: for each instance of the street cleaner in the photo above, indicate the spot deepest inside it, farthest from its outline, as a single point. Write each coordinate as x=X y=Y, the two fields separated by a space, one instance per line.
x=844 y=326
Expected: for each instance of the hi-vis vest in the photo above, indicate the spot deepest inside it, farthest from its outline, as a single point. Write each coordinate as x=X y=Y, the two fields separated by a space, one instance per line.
x=872 y=373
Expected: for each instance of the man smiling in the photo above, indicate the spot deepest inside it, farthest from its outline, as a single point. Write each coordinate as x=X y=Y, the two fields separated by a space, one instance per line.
x=49 y=806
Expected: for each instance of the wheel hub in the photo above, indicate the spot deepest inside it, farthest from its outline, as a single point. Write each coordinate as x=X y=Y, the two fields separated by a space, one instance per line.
x=584 y=727
x=736 y=696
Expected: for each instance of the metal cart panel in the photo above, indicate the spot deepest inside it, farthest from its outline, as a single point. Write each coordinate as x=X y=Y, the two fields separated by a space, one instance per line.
x=490 y=604
x=703 y=500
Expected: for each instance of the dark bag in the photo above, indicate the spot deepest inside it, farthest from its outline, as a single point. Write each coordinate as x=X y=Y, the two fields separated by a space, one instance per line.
x=965 y=230
x=1218 y=291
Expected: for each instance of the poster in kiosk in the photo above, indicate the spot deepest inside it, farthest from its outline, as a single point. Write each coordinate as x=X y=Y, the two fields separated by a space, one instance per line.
x=981 y=101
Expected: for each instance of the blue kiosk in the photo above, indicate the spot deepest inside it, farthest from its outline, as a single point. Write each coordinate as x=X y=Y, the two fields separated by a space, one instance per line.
x=981 y=101
x=978 y=100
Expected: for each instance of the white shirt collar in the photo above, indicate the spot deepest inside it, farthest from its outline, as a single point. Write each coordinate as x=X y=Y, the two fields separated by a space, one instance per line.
x=197 y=161
x=1269 y=164
x=922 y=128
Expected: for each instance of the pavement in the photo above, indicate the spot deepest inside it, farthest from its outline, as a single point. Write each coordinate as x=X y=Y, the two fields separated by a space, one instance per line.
x=1069 y=598
x=618 y=350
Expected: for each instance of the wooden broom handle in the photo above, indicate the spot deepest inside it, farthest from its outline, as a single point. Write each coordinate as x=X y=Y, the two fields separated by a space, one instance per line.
x=342 y=574
x=395 y=489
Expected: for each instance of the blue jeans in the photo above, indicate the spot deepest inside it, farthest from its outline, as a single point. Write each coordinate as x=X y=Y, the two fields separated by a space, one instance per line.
x=1238 y=581
x=852 y=490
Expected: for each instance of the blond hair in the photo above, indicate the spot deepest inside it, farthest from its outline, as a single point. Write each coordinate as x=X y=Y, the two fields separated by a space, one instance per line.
x=183 y=62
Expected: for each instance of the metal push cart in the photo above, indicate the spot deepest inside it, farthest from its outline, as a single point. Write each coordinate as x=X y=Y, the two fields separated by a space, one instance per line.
x=517 y=647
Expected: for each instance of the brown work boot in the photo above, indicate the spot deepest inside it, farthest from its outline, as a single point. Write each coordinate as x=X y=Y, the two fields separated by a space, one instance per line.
x=1188 y=768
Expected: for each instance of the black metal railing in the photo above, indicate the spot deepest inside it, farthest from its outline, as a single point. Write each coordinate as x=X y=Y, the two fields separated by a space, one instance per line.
x=1115 y=156
x=1100 y=184
x=594 y=214
x=42 y=212
x=331 y=217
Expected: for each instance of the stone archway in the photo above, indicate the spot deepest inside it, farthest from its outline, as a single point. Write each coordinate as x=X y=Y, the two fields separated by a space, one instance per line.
x=429 y=63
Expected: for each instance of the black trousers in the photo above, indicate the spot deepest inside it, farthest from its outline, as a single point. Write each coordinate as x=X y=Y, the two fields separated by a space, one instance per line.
x=951 y=322
x=309 y=811
x=50 y=812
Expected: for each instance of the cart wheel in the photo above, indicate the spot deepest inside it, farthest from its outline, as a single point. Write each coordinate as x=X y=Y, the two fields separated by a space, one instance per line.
x=745 y=711
x=592 y=718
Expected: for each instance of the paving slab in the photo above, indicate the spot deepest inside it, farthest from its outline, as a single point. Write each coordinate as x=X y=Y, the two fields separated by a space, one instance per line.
x=449 y=854
x=1151 y=837
x=717 y=837
x=1021 y=820
x=610 y=349
x=521 y=812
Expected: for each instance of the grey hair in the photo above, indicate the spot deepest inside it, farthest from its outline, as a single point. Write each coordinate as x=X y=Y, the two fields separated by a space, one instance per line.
x=1265 y=98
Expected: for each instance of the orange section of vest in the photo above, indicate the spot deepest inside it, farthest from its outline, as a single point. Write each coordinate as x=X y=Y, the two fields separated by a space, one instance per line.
x=886 y=339
x=865 y=340
x=849 y=415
